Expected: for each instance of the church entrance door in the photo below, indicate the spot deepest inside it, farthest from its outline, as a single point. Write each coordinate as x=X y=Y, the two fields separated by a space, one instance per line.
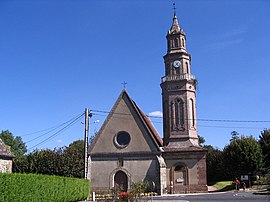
x=121 y=180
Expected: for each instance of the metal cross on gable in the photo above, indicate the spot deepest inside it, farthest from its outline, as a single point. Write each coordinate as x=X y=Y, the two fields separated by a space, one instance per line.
x=124 y=84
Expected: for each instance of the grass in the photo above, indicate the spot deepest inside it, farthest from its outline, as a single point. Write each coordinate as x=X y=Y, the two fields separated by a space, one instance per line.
x=223 y=185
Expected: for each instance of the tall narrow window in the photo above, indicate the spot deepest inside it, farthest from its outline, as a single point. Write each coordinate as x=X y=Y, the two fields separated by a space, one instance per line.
x=176 y=42
x=171 y=44
x=179 y=113
x=172 y=116
x=183 y=42
x=187 y=68
x=192 y=113
x=165 y=115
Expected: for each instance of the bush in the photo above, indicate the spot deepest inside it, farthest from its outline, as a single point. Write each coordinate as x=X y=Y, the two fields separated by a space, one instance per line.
x=41 y=188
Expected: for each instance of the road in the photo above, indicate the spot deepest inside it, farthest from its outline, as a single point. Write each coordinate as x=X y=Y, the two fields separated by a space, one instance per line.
x=214 y=197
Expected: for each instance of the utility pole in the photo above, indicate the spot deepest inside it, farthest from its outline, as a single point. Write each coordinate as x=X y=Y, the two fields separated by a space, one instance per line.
x=86 y=142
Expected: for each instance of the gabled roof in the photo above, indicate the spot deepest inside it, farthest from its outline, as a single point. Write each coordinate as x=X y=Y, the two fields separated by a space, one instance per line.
x=143 y=118
x=5 y=151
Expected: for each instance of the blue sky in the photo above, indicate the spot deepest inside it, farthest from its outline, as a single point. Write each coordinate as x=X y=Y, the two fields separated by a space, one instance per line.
x=58 y=57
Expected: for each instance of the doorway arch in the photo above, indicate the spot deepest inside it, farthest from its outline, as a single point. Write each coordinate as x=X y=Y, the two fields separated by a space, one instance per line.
x=121 y=180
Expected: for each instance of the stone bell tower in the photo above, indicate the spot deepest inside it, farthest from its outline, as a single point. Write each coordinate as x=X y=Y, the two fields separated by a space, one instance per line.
x=178 y=92
x=185 y=160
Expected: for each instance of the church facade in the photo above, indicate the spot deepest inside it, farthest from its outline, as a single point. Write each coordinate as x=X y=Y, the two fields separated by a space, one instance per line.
x=128 y=148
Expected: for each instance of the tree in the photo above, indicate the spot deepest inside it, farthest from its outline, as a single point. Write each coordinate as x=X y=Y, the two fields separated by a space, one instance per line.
x=215 y=165
x=46 y=161
x=64 y=161
x=74 y=159
x=243 y=156
x=17 y=146
x=264 y=142
x=20 y=164
x=201 y=140
x=235 y=136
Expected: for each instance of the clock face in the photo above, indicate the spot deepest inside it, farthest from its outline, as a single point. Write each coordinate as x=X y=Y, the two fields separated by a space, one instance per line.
x=176 y=63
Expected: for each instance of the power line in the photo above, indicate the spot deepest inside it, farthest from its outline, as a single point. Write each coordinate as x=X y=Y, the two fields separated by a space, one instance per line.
x=53 y=128
x=59 y=131
x=205 y=120
x=230 y=127
x=234 y=121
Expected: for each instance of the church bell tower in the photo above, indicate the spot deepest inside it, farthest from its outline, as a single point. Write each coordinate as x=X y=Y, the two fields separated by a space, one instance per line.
x=178 y=92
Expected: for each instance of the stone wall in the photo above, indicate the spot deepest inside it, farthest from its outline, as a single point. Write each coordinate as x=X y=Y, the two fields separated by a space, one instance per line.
x=5 y=166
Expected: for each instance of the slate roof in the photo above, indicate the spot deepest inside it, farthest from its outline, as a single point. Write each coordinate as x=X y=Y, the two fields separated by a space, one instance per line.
x=5 y=151
x=150 y=126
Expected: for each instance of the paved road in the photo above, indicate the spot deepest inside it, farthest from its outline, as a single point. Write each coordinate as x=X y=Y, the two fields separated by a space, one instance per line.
x=211 y=197
x=215 y=197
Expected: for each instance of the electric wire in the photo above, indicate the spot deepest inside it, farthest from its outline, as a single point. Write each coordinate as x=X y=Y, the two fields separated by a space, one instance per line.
x=53 y=129
x=230 y=127
x=102 y=113
x=58 y=132
x=206 y=120
x=28 y=134
x=105 y=113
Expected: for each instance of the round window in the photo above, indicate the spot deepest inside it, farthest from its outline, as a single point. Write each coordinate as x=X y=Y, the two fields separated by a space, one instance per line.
x=122 y=139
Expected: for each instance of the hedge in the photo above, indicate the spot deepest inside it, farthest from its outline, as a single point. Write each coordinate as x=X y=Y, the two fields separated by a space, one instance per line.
x=17 y=187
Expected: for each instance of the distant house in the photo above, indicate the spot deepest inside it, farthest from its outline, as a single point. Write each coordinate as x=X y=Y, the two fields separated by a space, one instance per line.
x=6 y=157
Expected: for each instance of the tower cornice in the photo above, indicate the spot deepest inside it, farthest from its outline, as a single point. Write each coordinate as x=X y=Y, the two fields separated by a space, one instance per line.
x=176 y=53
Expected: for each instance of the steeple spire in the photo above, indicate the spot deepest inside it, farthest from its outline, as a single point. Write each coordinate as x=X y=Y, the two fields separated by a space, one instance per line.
x=175 y=28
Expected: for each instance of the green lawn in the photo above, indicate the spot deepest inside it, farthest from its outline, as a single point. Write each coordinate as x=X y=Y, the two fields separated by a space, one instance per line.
x=224 y=185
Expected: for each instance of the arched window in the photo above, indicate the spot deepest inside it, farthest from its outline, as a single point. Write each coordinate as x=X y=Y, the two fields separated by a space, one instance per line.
x=187 y=68
x=192 y=113
x=165 y=115
x=183 y=42
x=180 y=175
x=176 y=42
x=179 y=112
x=172 y=115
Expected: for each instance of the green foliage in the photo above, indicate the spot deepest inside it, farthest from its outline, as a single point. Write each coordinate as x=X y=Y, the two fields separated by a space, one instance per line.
x=243 y=156
x=264 y=140
x=73 y=157
x=138 y=188
x=66 y=161
x=214 y=163
x=235 y=136
x=16 y=144
x=20 y=164
x=201 y=140
x=45 y=162
x=41 y=188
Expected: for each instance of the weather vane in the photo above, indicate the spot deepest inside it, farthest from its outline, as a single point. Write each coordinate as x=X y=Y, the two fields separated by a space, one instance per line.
x=124 y=84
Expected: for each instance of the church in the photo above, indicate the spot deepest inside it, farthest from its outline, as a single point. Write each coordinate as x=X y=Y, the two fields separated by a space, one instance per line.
x=128 y=148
